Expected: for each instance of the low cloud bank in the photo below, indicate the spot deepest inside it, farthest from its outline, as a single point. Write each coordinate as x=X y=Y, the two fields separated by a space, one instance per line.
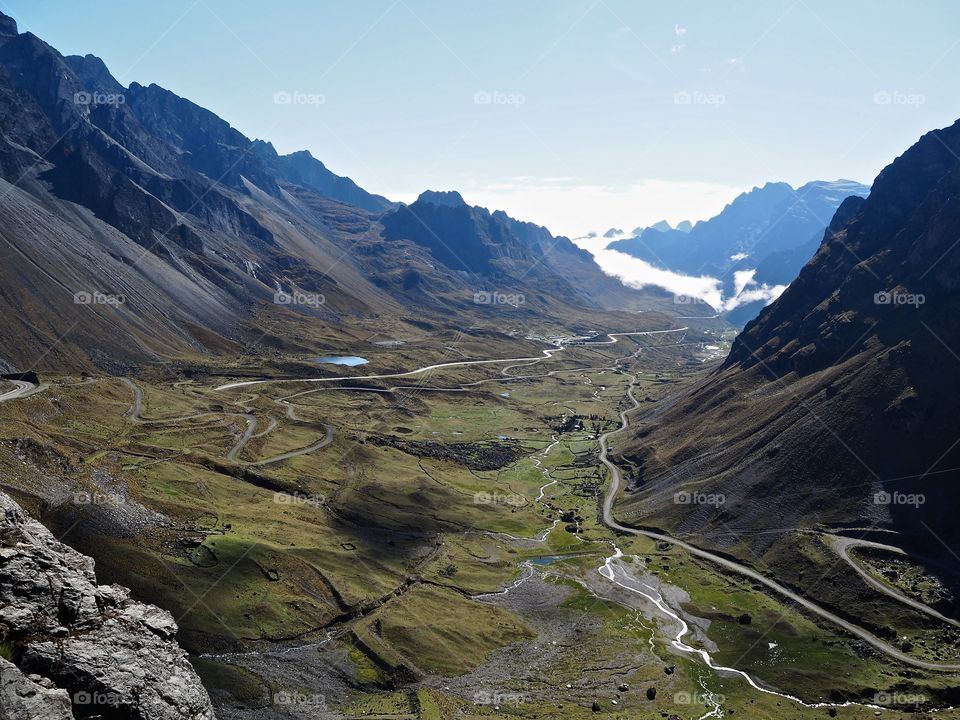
x=687 y=289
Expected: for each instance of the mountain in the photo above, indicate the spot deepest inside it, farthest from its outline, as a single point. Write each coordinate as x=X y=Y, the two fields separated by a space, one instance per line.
x=837 y=405
x=139 y=226
x=507 y=252
x=772 y=222
x=301 y=168
x=764 y=220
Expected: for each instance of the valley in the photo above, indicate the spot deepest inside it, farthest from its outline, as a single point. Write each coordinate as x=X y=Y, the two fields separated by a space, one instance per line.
x=438 y=540
x=274 y=446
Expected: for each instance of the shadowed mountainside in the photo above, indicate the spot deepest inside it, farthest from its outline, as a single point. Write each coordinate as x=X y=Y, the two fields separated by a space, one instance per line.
x=136 y=226
x=837 y=404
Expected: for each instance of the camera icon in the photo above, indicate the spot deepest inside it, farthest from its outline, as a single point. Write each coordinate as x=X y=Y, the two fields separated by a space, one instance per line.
x=682 y=98
x=482 y=98
x=882 y=298
x=83 y=98
x=882 y=498
x=882 y=98
x=83 y=298
x=482 y=498
x=282 y=98
x=682 y=498
x=483 y=298
x=282 y=298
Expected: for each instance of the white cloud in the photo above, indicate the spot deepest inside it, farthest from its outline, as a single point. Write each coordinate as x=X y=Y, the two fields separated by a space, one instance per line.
x=742 y=278
x=637 y=273
x=679 y=33
x=767 y=293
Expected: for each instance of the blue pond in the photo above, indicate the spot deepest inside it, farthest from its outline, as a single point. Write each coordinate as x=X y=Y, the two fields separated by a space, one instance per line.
x=349 y=360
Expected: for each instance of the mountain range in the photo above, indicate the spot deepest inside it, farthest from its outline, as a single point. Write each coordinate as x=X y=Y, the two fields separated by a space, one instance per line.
x=139 y=226
x=836 y=406
x=761 y=239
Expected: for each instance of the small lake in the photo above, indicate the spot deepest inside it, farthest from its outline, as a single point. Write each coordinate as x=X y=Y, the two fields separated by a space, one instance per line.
x=349 y=360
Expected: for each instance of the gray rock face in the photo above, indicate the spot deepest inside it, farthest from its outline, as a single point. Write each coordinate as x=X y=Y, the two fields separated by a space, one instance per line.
x=78 y=645
x=30 y=697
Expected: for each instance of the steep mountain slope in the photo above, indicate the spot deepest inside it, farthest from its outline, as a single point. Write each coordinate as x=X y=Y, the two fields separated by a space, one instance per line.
x=137 y=225
x=837 y=405
x=506 y=252
x=301 y=168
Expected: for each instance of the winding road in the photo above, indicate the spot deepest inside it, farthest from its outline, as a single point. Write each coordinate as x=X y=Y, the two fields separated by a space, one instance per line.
x=611 y=521
x=134 y=413
x=842 y=545
x=547 y=354
x=22 y=389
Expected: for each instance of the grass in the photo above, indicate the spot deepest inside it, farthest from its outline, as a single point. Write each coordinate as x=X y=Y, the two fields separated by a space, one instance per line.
x=402 y=540
x=446 y=633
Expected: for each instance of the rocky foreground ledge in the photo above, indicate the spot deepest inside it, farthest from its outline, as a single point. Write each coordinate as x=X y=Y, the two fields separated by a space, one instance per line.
x=70 y=648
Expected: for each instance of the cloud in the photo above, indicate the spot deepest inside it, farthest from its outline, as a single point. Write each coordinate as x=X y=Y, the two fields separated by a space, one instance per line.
x=742 y=278
x=637 y=273
x=767 y=293
x=679 y=33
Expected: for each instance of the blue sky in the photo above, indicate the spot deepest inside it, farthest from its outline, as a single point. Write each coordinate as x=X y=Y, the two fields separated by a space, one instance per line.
x=578 y=114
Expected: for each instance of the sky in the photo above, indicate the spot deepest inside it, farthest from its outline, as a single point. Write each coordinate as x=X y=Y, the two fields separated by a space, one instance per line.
x=580 y=115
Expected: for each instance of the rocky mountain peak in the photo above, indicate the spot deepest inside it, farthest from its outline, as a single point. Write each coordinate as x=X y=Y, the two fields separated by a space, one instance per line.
x=446 y=198
x=8 y=26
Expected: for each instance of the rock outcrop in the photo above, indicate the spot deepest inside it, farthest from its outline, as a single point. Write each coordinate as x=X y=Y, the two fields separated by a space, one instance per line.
x=72 y=648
